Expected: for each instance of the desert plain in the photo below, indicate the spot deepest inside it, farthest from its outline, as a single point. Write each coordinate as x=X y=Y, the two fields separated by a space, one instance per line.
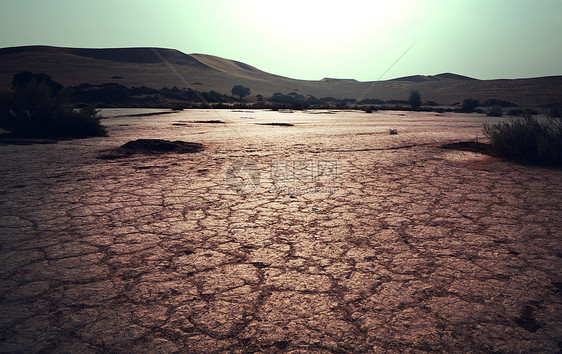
x=326 y=234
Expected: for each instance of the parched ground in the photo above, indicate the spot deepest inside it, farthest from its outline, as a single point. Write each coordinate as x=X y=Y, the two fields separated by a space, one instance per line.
x=327 y=236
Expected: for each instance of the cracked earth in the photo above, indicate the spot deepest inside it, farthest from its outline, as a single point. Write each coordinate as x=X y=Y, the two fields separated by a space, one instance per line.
x=327 y=236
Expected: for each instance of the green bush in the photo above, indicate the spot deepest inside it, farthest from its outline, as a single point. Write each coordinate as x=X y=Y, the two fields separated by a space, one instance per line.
x=528 y=139
x=37 y=107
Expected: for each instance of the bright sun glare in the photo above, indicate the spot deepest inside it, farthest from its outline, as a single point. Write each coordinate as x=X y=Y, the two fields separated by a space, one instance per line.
x=318 y=24
x=349 y=34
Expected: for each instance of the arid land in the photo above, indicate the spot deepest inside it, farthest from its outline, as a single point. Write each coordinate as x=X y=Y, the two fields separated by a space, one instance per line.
x=330 y=235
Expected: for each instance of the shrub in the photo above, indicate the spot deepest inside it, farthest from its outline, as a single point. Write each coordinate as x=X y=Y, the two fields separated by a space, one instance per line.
x=292 y=100
x=37 y=108
x=521 y=112
x=499 y=103
x=397 y=102
x=495 y=112
x=515 y=112
x=528 y=139
x=554 y=109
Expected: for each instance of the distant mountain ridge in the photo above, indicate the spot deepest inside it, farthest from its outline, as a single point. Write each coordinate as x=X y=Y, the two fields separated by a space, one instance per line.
x=141 y=66
x=128 y=55
x=438 y=77
x=328 y=79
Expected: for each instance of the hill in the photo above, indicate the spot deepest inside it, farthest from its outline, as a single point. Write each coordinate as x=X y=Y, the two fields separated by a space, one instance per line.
x=438 y=77
x=143 y=67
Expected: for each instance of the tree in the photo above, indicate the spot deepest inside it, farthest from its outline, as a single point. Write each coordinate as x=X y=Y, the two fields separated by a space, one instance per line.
x=37 y=107
x=469 y=105
x=240 y=91
x=415 y=99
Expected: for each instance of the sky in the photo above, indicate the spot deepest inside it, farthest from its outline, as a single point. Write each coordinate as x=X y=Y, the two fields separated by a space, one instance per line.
x=362 y=40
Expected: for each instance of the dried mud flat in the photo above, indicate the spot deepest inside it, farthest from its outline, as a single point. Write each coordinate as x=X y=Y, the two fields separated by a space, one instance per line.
x=327 y=236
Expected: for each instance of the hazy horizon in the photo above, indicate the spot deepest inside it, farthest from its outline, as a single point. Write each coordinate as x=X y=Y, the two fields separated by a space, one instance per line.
x=301 y=40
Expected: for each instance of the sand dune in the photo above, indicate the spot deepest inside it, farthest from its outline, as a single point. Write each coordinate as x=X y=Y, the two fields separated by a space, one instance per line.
x=142 y=67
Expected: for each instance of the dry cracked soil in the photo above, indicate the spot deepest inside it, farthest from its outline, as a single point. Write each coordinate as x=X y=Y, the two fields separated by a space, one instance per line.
x=325 y=234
